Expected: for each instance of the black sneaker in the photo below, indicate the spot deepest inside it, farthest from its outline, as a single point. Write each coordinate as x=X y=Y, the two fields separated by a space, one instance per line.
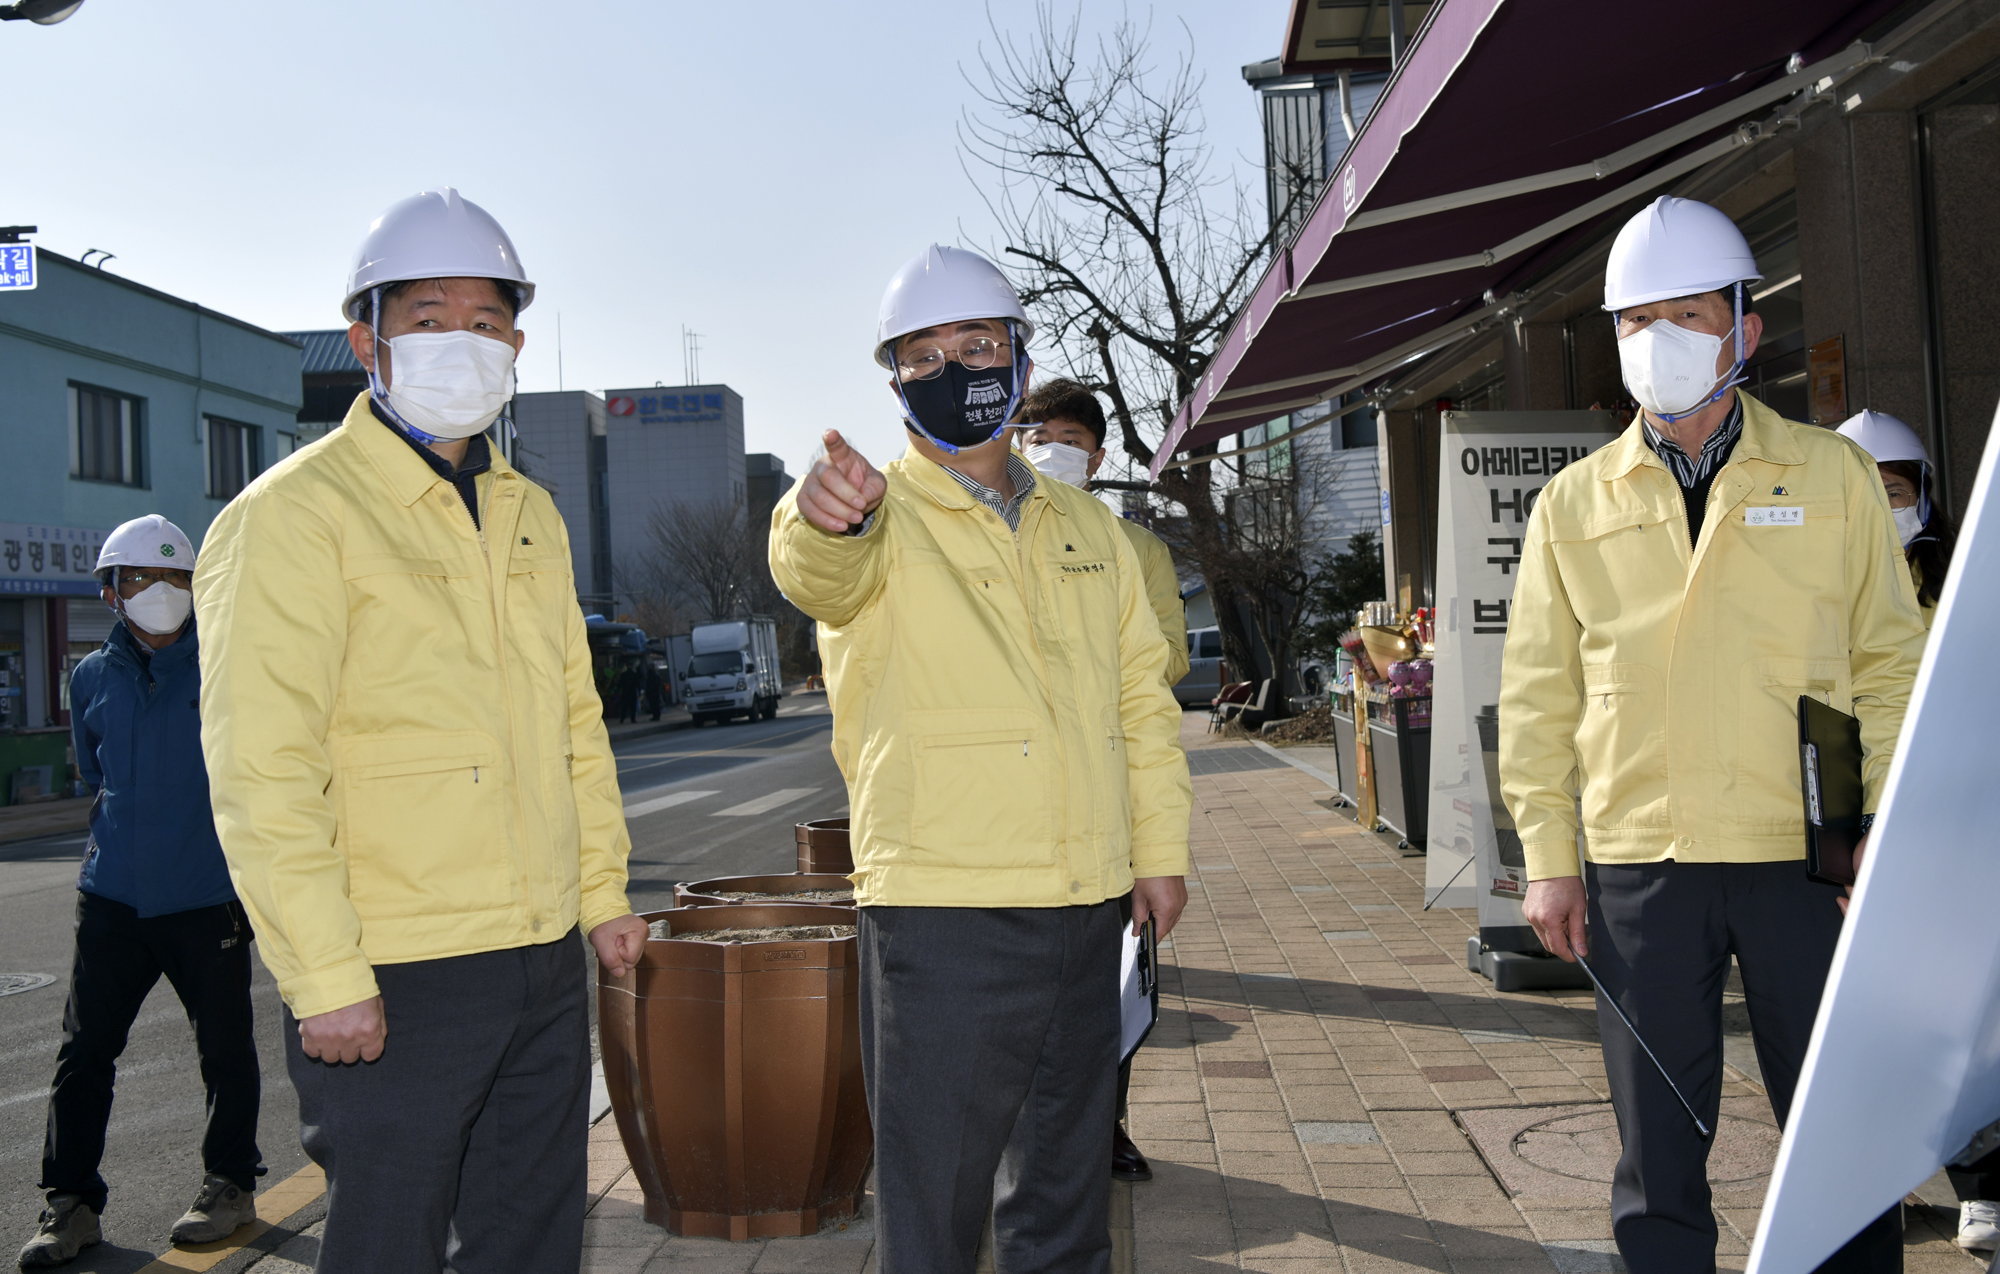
x=217 y=1211
x=69 y=1225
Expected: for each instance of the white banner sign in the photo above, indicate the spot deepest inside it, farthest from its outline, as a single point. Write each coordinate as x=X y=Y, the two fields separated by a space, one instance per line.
x=1904 y=1064
x=1492 y=469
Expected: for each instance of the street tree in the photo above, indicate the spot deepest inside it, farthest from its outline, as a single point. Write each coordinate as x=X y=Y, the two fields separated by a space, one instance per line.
x=1133 y=257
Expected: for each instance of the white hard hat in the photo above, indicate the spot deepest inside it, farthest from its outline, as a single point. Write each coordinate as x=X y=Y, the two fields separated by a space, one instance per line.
x=149 y=541
x=945 y=285
x=1675 y=247
x=434 y=234
x=1885 y=437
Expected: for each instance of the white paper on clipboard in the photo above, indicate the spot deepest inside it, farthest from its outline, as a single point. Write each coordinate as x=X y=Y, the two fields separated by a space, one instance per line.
x=1138 y=991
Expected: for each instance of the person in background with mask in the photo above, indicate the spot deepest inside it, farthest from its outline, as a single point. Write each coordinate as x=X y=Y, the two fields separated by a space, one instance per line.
x=153 y=898
x=413 y=784
x=1679 y=590
x=1925 y=529
x=1063 y=437
x=1012 y=756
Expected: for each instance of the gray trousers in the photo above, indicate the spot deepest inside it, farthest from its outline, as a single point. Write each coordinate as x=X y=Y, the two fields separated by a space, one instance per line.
x=989 y=1042
x=465 y=1143
x=1661 y=935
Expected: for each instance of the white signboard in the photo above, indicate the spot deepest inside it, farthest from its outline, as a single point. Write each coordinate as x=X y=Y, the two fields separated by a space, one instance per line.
x=17 y=267
x=1492 y=469
x=1904 y=1065
x=36 y=558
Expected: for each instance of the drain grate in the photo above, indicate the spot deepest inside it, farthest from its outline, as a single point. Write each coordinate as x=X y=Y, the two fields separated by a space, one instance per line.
x=15 y=983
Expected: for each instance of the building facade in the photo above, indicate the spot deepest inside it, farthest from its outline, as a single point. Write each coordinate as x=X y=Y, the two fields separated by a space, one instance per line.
x=116 y=400
x=561 y=445
x=667 y=446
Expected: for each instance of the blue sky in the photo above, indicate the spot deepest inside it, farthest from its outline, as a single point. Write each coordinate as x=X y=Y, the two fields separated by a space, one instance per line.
x=755 y=172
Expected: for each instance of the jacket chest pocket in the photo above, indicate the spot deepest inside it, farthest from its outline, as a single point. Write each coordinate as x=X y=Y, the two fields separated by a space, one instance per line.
x=423 y=823
x=1621 y=747
x=1786 y=561
x=984 y=794
x=1604 y=563
x=1084 y=597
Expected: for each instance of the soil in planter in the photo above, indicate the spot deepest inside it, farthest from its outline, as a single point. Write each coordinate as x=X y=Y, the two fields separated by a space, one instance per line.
x=785 y=933
x=809 y=895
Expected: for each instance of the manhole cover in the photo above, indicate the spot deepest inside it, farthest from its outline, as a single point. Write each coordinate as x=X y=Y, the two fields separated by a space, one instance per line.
x=15 y=983
x=1584 y=1147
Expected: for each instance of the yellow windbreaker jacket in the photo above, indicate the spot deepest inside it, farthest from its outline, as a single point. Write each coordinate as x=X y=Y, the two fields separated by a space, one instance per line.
x=1163 y=593
x=1000 y=709
x=1659 y=681
x=406 y=753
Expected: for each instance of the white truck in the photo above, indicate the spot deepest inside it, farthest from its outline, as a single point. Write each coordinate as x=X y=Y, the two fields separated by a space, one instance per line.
x=734 y=668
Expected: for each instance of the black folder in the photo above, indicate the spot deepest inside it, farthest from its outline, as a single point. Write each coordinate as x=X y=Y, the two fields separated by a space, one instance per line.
x=1830 y=779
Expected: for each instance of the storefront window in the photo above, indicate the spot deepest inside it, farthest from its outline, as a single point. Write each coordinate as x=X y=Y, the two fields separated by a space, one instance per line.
x=1958 y=137
x=1777 y=371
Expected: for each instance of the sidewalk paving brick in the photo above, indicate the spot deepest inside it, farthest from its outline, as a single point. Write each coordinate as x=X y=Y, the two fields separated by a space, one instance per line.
x=1329 y=1089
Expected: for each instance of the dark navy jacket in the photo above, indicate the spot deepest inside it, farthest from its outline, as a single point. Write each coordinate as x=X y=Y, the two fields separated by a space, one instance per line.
x=137 y=726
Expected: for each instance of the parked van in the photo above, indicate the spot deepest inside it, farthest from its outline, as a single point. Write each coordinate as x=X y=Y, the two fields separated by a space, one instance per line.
x=734 y=668
x=1206 y=674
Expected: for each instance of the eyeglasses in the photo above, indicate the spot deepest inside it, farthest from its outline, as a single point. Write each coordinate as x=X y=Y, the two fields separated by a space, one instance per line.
x=132 y=581
x=924 y=362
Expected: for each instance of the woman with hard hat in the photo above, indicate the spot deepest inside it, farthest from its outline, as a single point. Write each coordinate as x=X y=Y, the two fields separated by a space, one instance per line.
x=1679 y=590
x=153 y=899
x=1925 y=529
x=1011 y=750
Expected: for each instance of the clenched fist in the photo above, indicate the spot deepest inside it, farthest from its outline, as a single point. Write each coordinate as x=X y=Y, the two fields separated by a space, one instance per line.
x=841 y=488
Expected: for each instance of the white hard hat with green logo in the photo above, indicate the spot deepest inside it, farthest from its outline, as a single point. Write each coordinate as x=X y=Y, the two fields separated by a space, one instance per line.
x=151 y=541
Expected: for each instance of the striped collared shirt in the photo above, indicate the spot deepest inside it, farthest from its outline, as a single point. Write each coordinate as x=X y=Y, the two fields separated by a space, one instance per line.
x=1009 y=510
x=1694 y=471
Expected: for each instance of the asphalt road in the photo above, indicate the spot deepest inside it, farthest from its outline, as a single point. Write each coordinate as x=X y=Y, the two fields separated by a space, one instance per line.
x=712 y=801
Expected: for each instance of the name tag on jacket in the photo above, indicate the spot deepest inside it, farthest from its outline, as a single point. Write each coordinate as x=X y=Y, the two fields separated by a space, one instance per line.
x=1794 y=515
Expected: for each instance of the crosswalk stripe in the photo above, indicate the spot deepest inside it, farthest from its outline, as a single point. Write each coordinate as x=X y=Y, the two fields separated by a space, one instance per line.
x=783 y=796
x=666 y=802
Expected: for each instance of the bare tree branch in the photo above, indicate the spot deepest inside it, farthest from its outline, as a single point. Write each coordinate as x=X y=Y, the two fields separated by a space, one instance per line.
x=1134 y=258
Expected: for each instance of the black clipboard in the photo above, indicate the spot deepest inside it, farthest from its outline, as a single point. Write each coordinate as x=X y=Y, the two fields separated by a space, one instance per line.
x=1138 y=992
x=1830 y=781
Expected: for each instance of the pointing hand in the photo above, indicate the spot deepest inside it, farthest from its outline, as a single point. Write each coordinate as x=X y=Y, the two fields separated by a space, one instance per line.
x=841 y=489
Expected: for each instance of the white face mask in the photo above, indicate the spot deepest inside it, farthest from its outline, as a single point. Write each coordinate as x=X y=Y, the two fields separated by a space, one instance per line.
x=449 y=384
x=1668 y=368
x=159 y=608
x=1909 y=524
x=1060 y=461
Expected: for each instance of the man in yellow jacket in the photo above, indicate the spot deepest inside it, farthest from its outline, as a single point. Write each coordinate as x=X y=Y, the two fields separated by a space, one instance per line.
x=412 y=781
x=1679 y=591
x=1062 y=435
x=1011 y=752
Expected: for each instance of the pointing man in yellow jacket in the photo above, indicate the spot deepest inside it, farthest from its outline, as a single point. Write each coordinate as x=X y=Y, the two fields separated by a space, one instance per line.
x=1011 y=751
x=1679 y=591
x=412 y=782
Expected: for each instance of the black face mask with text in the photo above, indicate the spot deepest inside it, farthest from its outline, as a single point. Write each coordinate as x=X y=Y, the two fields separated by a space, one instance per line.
x=961 y=408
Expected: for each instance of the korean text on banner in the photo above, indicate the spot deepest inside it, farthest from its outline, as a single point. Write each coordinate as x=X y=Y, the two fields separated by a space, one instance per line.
x=1492 y=468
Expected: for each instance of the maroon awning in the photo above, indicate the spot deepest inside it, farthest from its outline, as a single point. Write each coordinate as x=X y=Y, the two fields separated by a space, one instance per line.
x=1510 y=132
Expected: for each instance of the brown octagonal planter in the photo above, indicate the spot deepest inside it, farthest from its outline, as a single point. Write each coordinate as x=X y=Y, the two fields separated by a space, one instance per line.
x=823 y=847
x=735 y=1074
x=707 y=893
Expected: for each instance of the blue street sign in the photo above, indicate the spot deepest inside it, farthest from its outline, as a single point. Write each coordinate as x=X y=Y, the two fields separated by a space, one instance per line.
x=17 y=267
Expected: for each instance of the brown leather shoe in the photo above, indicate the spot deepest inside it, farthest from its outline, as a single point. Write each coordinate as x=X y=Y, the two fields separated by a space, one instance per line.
x=1127 y=1164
